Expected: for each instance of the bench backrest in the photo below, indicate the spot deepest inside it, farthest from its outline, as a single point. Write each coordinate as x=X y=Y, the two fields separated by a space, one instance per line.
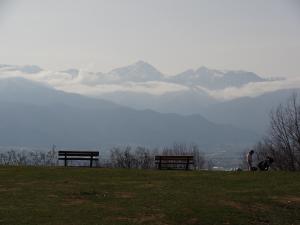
x=175 y=157
x=78 y=153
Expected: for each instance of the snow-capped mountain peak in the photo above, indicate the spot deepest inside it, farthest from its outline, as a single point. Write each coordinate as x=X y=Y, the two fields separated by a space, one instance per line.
x=137 y=72
x=216 y=79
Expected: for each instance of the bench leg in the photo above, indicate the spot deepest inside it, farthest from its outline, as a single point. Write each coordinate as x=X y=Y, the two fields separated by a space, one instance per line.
x=159 y=165
x=187 y=165
x=91 y=162
x=66 y=160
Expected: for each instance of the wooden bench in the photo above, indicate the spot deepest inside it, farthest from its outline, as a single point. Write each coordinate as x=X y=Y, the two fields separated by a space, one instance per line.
x=168 y=162
x=78 y=155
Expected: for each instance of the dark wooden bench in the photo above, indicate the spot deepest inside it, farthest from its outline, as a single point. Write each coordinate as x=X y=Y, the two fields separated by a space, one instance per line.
x=78 y=155
x=172 y=161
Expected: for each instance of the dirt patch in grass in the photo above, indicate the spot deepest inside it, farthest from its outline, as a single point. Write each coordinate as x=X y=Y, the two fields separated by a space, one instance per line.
x=52 y=196
x=88 y=193
x=288 y=200
x=256 y=207
x=253 y=207
x=112 y=208
x=124 y=195
x=193 y=221
x=74 y=201
x=150 y=218
x=260 y=207
x=233 y=204
x=8 y=189
x=260 y=221
x=121 y=219
x=150 y=185
x=31 y=183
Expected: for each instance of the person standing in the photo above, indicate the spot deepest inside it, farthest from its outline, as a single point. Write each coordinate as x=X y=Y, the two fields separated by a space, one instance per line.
x=249 y=159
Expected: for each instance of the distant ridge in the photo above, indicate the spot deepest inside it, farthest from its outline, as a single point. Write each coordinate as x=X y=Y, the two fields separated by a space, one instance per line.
x=39 y=116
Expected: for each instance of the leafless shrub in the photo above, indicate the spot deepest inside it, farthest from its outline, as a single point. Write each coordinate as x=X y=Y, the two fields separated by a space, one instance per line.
x=120 y=157
x=126 y=157
x=143 y=158
x=283 y=141
x=25 y=158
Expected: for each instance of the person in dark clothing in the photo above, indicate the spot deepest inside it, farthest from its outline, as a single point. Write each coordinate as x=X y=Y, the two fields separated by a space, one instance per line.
x=265 y=164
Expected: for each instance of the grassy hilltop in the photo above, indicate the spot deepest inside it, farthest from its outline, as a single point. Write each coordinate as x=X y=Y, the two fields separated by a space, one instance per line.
x=82 y=196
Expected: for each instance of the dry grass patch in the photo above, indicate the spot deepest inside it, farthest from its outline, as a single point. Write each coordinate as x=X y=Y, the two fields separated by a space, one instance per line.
x=75 y=201
x=124 y=194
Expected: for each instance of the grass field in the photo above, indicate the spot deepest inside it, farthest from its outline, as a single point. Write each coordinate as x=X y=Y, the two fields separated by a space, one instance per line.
x=36 y=196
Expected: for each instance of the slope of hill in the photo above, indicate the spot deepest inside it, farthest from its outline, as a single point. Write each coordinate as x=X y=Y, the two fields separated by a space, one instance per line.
x=187 y=102
x=34 y=115
x=248 y=113
x=20 y=90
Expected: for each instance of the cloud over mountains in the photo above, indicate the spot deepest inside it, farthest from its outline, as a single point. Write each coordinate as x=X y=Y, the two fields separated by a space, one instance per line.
x=143 y=78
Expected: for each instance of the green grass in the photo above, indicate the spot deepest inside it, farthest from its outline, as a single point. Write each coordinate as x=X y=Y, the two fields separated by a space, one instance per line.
x=36 y=196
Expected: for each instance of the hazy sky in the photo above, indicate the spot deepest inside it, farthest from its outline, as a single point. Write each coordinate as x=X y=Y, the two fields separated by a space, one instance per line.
x=174 y=35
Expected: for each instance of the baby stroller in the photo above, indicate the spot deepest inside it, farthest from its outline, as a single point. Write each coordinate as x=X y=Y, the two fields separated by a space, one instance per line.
x=265 y=164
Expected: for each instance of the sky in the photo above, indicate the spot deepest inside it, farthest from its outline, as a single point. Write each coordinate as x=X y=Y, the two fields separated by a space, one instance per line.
x=173 y=35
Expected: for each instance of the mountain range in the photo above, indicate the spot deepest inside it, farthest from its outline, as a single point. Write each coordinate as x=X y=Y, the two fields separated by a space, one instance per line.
x=233 y=98
x=144 y=72
x=34 y=114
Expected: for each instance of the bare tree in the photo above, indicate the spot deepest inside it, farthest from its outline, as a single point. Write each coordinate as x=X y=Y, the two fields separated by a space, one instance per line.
x=33 y=158
x=283 y=141
x=126 y=157
x=144 y=158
